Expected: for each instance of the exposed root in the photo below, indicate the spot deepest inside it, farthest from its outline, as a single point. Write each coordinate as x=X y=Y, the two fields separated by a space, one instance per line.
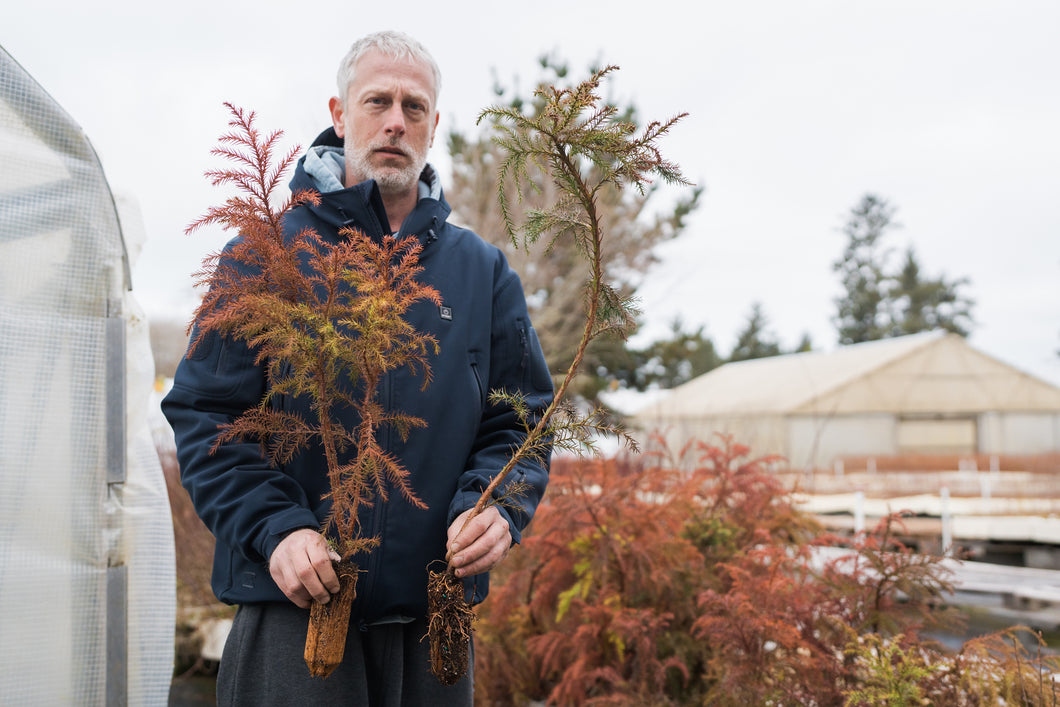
x=450 y=626
x=325 y=640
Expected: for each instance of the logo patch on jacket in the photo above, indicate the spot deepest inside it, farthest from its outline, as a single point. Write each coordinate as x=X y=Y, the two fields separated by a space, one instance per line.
x=446 y=313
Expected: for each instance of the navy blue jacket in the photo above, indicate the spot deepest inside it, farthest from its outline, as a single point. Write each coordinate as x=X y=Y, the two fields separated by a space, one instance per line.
x=486 y=343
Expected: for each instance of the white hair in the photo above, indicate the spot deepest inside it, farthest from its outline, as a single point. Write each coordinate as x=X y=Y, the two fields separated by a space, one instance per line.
x=394 y=44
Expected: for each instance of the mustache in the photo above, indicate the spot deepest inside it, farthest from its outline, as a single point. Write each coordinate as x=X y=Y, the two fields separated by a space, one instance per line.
x=394 y=142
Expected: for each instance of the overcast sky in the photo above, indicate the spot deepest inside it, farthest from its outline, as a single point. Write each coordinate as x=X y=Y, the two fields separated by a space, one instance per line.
x=949 y=110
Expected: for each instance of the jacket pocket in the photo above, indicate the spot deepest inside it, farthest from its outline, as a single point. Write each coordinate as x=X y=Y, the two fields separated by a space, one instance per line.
x=540 y=378
x=533 y=371
x=476 y=378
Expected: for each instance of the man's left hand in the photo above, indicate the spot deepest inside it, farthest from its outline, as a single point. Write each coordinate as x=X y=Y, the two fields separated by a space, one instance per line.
x=481 y=545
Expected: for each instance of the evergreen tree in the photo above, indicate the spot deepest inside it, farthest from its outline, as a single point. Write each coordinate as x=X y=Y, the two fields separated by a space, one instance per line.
x=665 y=363
x=920 y=304
x=880 y=303
x=862 y=314
x=805 y=344
x=754 y=341
x=671 y=362
x=615 y=365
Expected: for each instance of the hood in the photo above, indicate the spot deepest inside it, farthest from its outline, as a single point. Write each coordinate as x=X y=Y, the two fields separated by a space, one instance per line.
x=322 y=169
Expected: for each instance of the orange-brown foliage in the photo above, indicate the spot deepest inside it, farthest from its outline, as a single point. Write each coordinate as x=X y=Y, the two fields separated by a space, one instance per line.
x=599 y=604
x=318 y=314
x=692 y=579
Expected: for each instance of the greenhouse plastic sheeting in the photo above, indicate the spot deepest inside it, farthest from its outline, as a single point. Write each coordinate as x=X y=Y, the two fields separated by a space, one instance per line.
x=87 y=587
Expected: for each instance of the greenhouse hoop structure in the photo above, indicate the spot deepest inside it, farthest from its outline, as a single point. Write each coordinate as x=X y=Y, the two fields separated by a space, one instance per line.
x=87 y=586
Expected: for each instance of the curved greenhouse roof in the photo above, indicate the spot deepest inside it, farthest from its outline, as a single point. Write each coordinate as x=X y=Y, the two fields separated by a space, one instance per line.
x=930 y=372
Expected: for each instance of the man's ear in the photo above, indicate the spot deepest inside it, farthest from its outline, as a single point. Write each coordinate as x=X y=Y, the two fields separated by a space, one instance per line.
x=337 y=115
x=434 y=129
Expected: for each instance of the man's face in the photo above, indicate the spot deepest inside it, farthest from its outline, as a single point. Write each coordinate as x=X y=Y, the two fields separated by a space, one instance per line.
x=388 y=122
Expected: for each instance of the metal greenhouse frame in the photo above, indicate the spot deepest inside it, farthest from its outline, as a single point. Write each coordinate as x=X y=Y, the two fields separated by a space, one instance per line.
x=87 y=589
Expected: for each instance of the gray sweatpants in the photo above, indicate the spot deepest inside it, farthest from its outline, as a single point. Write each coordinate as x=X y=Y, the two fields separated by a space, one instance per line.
x=387 y=665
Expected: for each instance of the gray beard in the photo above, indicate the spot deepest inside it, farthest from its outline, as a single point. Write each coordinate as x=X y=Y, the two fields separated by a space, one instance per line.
x=390 y=180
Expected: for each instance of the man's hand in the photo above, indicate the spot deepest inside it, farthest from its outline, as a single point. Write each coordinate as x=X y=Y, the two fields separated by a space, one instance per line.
x=301 y=567
x=481 y=545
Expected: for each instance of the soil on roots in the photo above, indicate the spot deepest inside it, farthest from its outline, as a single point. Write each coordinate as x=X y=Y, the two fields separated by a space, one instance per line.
x=325 y=640
x=449 y=628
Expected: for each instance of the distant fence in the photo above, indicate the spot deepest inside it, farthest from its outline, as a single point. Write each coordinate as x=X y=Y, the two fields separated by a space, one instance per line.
x=886 y=484
x=1035 y=463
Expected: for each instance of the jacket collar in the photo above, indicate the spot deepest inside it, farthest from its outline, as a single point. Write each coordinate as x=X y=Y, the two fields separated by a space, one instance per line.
x=361 y=206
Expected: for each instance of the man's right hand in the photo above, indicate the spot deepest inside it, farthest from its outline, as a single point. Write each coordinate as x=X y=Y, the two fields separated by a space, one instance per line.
x=301 y=567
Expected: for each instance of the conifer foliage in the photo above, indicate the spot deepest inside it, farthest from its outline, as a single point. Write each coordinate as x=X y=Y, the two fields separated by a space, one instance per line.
x=583 y=149
x=637 y=221
x=881 y=301
x=693 y=579
x=317 y=314
x=326 y=320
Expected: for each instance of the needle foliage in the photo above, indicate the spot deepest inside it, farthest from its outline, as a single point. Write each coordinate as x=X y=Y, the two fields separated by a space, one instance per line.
x=326 y=320
x=584 y=147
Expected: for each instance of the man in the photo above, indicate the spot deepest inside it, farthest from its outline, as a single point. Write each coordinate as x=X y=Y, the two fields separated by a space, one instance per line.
x=371 y=171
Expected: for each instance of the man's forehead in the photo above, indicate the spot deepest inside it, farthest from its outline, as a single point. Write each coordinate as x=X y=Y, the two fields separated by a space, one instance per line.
x=377 y=70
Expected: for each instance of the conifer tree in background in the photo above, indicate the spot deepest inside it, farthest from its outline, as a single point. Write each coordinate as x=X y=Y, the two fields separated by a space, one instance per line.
x=861 y=315
x=664 y=363
x=754 y=341
x=920 y=304
x=805 y=344
x=880 y=302
x=550 y=271
x=671 y=362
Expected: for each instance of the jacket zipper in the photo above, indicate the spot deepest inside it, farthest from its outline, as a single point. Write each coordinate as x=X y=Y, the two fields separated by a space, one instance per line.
x=378 y=507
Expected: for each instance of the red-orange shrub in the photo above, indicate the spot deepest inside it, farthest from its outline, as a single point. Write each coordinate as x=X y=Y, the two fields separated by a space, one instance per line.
x=693 y=580
x=599 y=605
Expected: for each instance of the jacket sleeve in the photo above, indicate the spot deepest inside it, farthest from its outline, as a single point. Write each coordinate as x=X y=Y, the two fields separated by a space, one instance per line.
x=248 y=504
x=516 y=365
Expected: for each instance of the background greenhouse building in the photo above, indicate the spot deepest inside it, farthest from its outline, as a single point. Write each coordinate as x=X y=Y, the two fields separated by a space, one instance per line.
x=930 y=393
x=87 y=589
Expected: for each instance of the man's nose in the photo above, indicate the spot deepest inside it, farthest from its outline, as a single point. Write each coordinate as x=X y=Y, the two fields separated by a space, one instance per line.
x=394 y=124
